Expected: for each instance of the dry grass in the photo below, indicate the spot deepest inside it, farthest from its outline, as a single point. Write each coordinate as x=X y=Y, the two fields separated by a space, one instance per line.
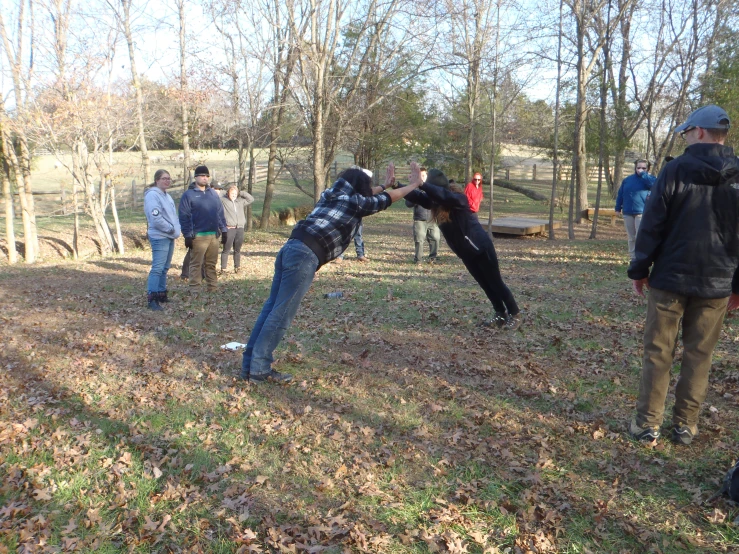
x=409 y=428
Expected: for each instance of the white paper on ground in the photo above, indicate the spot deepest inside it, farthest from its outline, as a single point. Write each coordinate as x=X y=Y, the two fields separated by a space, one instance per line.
x=232 y=346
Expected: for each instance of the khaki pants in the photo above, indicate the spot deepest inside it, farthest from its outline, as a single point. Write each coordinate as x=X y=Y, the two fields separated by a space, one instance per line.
x=701 y=322
x=204 y=252
x=632 y=222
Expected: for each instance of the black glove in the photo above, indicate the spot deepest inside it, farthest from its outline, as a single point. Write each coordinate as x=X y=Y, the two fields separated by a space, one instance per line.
x=188 y=242
x=224 y=238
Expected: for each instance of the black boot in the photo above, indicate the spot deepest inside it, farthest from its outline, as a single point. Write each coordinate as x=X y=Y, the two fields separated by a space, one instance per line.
x=152 y=297
x=162 y=297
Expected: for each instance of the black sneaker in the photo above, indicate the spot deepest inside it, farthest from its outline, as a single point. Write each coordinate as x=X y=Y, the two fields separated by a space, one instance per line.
x=681 y=434
x=273 y=375
x=643 y=434
x=499 y=320
x=513 y=322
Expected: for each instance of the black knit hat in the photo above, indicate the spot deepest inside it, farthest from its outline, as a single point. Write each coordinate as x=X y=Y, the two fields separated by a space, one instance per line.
x=202 y=170
x=436 y=177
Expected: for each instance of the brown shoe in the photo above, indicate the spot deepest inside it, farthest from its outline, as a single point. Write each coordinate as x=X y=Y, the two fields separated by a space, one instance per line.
x=363 y=259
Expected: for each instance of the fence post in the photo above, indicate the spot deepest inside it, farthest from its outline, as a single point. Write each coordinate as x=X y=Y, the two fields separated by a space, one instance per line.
x=64 y=200
x=507 y=174
x=335 y=170
x=533 y=173
x=133 y=193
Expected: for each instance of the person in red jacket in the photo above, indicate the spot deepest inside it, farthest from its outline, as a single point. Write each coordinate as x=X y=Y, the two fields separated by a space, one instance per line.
x=473 y=191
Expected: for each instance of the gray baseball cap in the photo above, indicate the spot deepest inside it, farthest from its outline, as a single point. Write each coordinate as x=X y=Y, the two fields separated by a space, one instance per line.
x=707 y=117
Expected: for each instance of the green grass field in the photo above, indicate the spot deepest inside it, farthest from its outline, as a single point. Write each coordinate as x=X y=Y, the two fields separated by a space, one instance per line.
x=409 y=427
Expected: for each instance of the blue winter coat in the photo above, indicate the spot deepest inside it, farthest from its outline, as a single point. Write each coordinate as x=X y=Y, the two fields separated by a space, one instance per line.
x=632 y=195
x=201 y=212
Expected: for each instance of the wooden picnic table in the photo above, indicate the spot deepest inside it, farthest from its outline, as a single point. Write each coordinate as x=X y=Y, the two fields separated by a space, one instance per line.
x=519 y=225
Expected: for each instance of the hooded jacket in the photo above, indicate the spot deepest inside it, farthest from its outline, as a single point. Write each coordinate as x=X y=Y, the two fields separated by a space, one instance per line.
x=161 y=215
x=201 y=211
x=474 y=195
x=633 y=192
x=689 y=233
x=463 y=232
x=235 y=210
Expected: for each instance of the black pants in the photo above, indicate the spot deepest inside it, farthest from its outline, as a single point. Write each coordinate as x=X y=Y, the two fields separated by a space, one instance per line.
x=485 y=270
x=234 y=239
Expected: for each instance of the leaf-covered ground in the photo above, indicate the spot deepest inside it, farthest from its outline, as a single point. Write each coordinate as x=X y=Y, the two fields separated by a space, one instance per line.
x=409 y=427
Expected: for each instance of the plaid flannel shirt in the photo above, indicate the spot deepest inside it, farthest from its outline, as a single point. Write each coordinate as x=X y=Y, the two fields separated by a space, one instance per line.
x=330 y=227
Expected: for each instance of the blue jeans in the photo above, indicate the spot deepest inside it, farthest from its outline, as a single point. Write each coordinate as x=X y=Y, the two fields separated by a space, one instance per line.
x=161 y=259
x=295 y=267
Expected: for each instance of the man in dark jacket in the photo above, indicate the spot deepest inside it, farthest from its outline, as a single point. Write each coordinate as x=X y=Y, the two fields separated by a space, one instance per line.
x=424 y=229
x=689 y=237
x=203 y=223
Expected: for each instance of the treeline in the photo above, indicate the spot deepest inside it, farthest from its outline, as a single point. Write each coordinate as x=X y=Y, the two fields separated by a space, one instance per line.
x=443 y=81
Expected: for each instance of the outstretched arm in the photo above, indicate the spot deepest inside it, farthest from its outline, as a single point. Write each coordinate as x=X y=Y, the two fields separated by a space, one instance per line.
x=445 y=197
x=415 y=182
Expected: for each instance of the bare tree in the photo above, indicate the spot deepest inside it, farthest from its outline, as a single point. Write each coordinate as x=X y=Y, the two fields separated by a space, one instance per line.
x=183 y=91
x=335 y=41
x=21 y=79
x=122 y=12
x=555 y=159
x=8 y=196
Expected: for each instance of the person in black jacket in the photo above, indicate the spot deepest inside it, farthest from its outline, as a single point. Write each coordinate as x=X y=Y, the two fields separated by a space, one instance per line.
x=468 y=240
x=689 y=237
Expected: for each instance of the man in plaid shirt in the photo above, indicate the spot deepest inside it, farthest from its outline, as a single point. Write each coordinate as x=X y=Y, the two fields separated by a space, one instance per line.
x=315 y=241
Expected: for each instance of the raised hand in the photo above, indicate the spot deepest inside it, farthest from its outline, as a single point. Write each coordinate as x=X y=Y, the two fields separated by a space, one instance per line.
x=415 y=178
x=390 y=175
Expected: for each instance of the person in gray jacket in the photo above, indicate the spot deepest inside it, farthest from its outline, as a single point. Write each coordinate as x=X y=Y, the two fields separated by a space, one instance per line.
x=163 y=228
x=234 y=208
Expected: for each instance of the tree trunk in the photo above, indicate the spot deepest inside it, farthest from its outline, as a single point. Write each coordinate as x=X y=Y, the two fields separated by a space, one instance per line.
x=121 y=249
x=271 y=178
x=578 y=163
x=319 y=171
x=137 y=87
x=183 y=94
x=75 y=238
x=9 y=212
x=250 y=188
x=92 y=206
x=555 y=161
x=602 y=138
x=29 y=253
x=28 y=192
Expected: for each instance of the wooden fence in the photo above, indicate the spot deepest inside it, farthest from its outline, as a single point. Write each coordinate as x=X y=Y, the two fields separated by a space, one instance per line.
x=129 y=195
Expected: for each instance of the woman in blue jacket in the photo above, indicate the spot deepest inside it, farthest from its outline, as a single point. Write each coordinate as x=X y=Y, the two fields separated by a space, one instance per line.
x=632 y=195
x=163 y=229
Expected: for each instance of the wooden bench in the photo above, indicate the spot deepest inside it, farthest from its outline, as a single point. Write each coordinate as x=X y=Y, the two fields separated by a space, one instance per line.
x=519 y=225
x=603 y=212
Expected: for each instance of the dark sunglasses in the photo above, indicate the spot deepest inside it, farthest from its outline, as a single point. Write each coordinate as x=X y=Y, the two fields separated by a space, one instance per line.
x=686 y=131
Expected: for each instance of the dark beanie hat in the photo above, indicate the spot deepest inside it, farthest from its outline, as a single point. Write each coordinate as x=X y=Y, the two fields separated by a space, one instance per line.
x=202 y=170
x=436 y=177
